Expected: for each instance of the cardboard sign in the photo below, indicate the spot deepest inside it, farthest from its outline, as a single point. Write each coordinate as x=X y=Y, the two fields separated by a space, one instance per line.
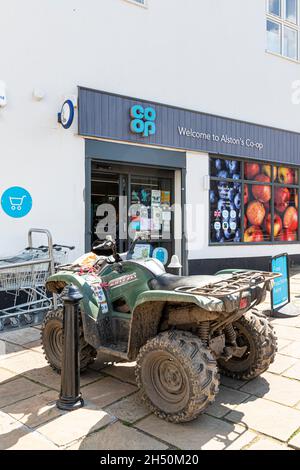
x=280 y=295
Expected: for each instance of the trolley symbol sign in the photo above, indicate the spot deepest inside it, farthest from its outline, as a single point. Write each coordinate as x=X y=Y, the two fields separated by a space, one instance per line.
x=16 y=202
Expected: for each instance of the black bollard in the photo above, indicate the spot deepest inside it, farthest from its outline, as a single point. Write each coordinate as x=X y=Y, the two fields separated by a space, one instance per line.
x=70 y=396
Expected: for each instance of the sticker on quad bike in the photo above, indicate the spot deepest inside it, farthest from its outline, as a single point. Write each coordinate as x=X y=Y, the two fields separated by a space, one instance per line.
x=97 y=285
x=122 y=280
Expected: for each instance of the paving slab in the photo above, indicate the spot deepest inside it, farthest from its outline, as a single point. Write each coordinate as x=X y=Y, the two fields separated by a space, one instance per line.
x=119 y=437
x=20 y=337
x=288 y=332
x=9 y=349
x=295 y=441
x=243 y=441
x=274 y=387
x=124 y=371
x=5 y=420
x=293 y=372
x=267 y=444
x=72 y=426
x=293 y=349
x=232 y=383
x=106 y=391
x=206 y=433
x=18 y=389
x=267 y=417
x=24 y=361
x=5 y=375
x=34 y=346
x=287 y=321
x=281 y=364
x=17 y=437
x=129 y=409
x=50 y=378
x=282 y=343
x=36 y=410
x=226 y=400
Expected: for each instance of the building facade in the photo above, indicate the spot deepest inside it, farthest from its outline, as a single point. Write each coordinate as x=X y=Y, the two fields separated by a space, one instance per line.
x=183 y=117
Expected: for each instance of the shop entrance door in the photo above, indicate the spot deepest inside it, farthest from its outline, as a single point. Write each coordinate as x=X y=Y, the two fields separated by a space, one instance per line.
x=108 y=193
x=127 y=201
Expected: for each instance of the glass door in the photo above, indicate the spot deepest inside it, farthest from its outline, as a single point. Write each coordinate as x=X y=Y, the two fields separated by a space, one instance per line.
x=151 y=215
x=108 y=206
x=128 y=202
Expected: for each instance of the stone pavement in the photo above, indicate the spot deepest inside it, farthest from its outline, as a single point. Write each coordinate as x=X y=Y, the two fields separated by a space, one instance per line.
x=256 y=415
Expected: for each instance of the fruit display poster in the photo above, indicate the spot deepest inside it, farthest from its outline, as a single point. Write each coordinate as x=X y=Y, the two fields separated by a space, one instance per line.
x=225 y=201
x=264 y=186
x=258 y=200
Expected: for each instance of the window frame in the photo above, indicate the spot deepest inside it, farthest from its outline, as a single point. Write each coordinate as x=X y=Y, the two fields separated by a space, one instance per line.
x=283 y=24
x=244 y=182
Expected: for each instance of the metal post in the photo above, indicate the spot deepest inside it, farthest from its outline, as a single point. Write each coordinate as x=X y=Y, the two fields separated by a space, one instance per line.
x=70 y=396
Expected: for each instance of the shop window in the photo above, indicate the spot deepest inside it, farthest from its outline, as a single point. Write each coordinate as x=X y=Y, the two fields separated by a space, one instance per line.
x=282 y=26
x=253 y=202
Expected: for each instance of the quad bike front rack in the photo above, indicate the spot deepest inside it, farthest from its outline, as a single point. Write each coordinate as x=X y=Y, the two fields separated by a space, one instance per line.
x=237 y=284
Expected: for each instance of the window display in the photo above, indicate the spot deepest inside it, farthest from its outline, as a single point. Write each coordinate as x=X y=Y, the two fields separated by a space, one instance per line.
x=257 y=209
x=225 y=206
x=268 y=210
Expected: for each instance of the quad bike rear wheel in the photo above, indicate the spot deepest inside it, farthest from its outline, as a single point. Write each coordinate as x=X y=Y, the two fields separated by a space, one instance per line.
x=256 y=332
x=177 y=376
x=52 y=342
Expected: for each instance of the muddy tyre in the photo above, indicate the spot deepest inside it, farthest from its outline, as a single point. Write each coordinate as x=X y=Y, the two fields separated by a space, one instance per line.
x=255 y=331
x=177 y=376
x=52 y=342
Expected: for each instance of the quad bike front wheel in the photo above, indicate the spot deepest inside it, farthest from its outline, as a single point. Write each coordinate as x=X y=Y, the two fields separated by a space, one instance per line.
x=52 y=342
x=177 y=376
x=256 y=332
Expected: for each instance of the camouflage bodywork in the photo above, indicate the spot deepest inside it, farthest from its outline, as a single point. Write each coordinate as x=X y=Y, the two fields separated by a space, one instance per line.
x=148 y=310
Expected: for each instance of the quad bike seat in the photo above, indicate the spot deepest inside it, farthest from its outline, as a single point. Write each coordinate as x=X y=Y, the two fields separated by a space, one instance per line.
x=171 y=282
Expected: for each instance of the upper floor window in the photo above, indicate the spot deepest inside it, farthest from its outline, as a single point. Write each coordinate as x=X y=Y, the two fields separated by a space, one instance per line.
x=283 y=28
x=142 y=3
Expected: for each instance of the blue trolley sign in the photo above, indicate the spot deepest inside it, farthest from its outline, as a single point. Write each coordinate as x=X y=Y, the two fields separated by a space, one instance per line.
x=16 y=202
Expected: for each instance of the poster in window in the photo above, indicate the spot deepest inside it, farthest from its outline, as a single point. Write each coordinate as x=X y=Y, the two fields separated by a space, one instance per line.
x=257 y=212
x=285 y=175
x=155 y=197
x=225 y=168
x=165 y=198
x=285 y=214
x=225 y=211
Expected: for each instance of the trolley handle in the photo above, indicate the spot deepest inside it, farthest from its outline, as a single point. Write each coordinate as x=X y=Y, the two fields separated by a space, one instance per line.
x=56 y=246
x=42 y=248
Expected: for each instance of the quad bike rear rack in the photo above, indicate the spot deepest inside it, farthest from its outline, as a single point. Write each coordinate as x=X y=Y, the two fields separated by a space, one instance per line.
x=237 y=284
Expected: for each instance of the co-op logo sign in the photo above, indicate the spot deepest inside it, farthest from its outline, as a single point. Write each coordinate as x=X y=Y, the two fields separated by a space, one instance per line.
x=143 y=120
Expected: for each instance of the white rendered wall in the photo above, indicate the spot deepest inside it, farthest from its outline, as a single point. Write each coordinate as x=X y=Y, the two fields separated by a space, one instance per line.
x=207 y=55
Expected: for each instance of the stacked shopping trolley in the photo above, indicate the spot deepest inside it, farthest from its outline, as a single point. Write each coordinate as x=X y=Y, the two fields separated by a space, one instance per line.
x=23 y=297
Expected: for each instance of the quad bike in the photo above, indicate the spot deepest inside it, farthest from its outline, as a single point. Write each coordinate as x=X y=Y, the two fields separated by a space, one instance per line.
x=181 y=331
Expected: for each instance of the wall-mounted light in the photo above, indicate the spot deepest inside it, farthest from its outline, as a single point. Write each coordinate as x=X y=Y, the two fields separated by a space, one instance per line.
x=3 y=98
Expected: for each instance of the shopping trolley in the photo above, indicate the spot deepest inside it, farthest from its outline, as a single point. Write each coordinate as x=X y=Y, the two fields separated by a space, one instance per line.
x=16 y=203
x=23 y=296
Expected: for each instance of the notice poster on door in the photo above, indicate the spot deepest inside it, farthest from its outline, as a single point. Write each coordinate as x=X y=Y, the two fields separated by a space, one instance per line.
x=155 y=197
x=165 y=198
x=156 y=218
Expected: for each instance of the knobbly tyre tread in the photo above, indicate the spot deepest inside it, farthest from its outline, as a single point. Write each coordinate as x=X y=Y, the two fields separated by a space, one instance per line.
x=87 y=352
x=199 y=364
x=265 y=340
